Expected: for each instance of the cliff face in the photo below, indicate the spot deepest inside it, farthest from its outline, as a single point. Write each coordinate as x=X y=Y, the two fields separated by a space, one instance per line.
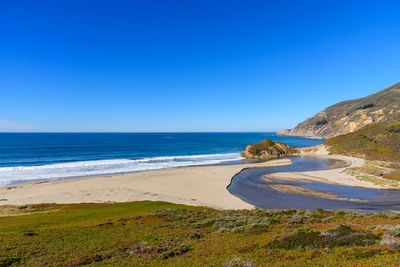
x=349 y=116
x=268 y=149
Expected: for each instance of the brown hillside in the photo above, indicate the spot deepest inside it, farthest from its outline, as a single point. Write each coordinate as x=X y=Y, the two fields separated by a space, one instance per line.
x=349 y=116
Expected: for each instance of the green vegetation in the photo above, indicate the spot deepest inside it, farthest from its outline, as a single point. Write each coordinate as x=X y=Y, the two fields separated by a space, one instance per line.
x=380 y=141
x=7 y=210
x=365 y=106
x=268 y=149
x=321 y=122
x=377 y=172
x=163 y=234
x=343 y=235
x=380 y=144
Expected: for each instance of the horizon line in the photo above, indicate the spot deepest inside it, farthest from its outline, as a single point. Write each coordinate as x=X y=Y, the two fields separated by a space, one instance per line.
x=145 y=132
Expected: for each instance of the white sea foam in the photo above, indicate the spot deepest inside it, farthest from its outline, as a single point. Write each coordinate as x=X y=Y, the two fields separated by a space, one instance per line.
x=9 y=175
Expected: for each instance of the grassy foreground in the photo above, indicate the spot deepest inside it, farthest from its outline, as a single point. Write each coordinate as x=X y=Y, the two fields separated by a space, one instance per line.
x=163 y=234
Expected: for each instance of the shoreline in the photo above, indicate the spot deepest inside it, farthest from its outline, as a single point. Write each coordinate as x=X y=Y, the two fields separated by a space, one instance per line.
x=45 y=180
x=196 y=186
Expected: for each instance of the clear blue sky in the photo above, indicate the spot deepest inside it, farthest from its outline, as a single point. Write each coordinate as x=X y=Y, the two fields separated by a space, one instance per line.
x=189 y=65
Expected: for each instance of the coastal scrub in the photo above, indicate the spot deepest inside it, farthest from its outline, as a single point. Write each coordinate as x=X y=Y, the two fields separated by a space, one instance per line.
x=164 y=234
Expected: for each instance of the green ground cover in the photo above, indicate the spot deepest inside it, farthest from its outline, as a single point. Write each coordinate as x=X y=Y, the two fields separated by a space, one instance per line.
x=164 y=234
x=379 y=141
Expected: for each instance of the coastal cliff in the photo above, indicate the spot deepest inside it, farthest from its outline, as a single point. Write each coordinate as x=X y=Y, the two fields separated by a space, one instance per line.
x=268 y=149
x=349 y=116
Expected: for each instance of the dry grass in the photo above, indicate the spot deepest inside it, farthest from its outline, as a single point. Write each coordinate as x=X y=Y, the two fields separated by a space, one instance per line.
x=377 y=172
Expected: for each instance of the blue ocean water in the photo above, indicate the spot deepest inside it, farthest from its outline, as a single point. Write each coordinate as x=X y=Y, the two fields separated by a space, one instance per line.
x=42 y=156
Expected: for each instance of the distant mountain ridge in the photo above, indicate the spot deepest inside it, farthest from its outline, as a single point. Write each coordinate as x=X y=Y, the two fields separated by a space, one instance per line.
x=351 y=115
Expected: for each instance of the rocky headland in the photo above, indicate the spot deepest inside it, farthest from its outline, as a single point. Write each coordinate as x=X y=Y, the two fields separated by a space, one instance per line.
x=268 y=149
x=349 y=116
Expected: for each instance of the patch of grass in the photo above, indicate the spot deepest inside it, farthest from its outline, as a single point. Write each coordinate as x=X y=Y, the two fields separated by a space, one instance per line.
x=377 y=172
x=164 y=250
x=365 y=106
x=342 y=235
x=9 y=210
x=371 y=179
x=239 y=262
x=164 y=234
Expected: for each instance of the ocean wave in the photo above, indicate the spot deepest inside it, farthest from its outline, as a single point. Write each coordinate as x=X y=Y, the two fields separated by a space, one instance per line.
x=18 y=174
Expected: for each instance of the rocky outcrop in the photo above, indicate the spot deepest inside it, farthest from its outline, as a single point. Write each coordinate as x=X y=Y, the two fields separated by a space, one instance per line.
x=268 y=149
x=349 y=116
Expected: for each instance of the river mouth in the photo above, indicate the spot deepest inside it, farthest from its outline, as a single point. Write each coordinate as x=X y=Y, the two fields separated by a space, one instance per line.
x=252 y=186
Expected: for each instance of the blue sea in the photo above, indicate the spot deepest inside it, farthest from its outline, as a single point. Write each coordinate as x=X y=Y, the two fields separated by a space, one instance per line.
x=45 y=156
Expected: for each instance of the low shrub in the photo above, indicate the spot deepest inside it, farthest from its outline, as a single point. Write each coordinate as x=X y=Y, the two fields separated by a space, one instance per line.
x=343 y=235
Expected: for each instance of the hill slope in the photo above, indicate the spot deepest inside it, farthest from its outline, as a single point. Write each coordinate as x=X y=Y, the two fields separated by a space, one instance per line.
x=349 y=116
x=379 y=141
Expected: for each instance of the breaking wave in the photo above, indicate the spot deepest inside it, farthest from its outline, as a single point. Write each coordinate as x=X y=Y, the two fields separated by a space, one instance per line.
x=19 y=174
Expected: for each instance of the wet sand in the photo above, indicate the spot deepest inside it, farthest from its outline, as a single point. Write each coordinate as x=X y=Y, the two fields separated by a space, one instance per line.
x=298 y=190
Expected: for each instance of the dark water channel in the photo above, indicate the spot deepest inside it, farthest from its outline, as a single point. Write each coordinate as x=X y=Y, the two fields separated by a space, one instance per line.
x=250 y=187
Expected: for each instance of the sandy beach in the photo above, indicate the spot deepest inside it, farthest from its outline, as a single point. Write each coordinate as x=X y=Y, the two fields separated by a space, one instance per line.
x=200 y=186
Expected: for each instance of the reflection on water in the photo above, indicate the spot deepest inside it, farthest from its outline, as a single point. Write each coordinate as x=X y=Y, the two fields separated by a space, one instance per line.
x=250 y=187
